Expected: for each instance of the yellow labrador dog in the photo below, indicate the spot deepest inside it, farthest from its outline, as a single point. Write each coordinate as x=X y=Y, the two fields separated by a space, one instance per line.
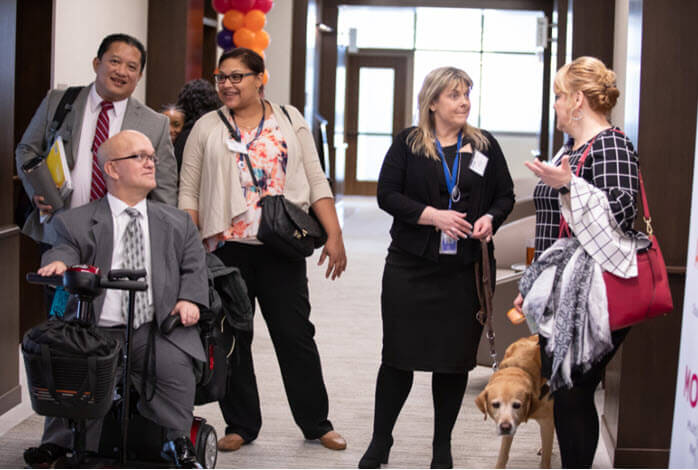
x=516 y=393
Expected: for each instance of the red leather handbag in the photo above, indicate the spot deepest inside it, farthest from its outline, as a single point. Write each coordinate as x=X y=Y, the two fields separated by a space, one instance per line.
x=646 y=296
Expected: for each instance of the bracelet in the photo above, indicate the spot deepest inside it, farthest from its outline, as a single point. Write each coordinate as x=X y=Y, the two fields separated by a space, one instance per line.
x=564 y=190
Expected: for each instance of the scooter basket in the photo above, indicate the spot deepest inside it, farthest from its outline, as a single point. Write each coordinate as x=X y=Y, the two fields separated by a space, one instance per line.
x=69 y=385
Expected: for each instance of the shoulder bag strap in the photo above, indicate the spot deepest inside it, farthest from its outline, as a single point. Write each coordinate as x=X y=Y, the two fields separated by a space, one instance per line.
x=65 y=105
x=232 y=136
x=645 y=207
x=288 y=116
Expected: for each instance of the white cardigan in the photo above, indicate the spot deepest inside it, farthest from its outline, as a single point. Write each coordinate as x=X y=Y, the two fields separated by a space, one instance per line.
x=210 y=178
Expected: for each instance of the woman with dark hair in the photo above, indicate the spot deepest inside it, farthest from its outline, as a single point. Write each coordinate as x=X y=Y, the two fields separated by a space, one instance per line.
x=176 y=116
x=447 y=186
x=222 y=197
x=196 y=98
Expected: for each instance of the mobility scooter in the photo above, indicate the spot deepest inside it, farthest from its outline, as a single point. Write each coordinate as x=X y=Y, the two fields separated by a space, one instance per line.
x=82 y=386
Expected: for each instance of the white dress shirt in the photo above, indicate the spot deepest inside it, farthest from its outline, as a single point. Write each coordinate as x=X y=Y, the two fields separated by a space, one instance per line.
x=81 y=173
x=111 y=310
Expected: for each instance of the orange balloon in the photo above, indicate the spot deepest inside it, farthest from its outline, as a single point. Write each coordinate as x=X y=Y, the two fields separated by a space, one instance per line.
x=261 y=40
x=255 y=20
x=265 y=78
x=244 y=37
x=233 y=20
x=260 y=52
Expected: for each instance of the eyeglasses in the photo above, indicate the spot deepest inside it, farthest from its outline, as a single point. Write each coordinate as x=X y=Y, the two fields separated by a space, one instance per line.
x=235 y=77
x=141 y=158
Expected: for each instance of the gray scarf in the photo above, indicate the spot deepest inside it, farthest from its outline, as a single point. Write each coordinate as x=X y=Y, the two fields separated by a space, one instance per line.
x=565 y=297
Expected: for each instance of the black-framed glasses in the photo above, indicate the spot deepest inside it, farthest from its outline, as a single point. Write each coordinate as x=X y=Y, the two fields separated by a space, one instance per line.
x=235 y=77
x=141 y=158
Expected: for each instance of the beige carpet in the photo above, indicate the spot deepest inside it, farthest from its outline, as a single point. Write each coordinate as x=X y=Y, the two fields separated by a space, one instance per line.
x=347 y=317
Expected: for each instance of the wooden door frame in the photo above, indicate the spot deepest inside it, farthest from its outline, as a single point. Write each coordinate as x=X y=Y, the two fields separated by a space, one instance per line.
x=402 y=61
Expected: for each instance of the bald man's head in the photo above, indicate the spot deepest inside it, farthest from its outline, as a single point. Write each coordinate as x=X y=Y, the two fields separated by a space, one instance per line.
x=127 y=162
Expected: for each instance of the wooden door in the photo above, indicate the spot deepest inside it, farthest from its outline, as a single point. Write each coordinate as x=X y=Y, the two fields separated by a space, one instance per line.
x=378 y=106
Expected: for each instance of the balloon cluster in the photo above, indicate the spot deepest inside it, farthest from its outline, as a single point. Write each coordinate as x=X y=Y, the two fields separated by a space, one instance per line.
x=243 y=23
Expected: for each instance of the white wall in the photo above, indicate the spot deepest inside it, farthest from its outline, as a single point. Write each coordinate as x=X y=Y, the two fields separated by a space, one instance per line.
x=517 y=150
x=620 y=55
x=278 y=54
x=80 y=25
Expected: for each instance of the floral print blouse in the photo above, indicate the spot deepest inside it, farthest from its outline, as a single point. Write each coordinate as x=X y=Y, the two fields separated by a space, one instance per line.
x=268 y=155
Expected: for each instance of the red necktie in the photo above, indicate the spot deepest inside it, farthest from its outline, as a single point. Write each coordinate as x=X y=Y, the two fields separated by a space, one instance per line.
x=99 y=188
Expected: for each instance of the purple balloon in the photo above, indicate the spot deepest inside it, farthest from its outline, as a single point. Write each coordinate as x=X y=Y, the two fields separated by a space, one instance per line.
x=225 y=39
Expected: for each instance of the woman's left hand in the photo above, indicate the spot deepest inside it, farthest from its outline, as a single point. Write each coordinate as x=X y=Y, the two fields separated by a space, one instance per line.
x=482 y=229
x=554 y=176
x=337 y=256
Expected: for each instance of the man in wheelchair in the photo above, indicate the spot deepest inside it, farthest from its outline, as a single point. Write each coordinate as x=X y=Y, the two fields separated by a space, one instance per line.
x=125 y=230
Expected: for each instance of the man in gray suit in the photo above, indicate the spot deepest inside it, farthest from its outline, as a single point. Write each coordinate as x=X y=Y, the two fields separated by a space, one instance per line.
x=125 y=230
x=118 y=67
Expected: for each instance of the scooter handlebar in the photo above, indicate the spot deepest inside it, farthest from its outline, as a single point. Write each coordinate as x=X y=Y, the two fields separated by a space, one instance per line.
x=34 y=278
x=170 y=323
x=56 y=280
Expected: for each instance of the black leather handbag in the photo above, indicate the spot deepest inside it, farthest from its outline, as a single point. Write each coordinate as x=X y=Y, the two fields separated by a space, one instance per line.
x=288 y=229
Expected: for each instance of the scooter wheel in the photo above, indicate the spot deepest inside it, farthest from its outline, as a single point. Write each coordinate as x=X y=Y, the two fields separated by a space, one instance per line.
x=207 y=446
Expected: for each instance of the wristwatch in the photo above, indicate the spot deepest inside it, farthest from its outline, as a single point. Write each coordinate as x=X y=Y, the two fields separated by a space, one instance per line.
x=564 y=190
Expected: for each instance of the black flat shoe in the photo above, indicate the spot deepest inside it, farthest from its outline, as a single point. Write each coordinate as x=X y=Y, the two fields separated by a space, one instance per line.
x=377 y=453
x=44 y=455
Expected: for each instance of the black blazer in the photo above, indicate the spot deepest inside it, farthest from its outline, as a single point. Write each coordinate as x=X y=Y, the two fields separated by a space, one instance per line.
x=408 y=183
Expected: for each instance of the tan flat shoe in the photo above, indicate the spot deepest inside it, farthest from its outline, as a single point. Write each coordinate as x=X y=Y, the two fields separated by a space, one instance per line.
x=333 y=440
x=230 y=442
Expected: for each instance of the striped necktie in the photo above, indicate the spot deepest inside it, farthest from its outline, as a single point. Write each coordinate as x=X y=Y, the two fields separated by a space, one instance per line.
x=98 y=188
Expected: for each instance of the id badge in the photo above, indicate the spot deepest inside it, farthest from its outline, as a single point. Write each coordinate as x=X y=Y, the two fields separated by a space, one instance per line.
x=448 y=246
x=235 y=146
x=479 y=163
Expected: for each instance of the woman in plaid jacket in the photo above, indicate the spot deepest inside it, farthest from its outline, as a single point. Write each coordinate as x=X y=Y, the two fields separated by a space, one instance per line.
x=585 y=94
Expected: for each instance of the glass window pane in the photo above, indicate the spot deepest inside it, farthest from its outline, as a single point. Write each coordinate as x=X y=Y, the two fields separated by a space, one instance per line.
x=510 y=30
x=376 y=88
x=370 y=152
x=377 y=27
x=426 y=61
x=454 y=29
x=512 y=85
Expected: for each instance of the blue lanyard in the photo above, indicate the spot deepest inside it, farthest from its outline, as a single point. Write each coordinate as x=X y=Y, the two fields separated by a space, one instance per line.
x=260 y=126
x=451 y=176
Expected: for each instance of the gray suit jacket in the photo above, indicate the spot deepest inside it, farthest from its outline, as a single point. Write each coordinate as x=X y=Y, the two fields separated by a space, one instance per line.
x=85 y=236
x=35 y=141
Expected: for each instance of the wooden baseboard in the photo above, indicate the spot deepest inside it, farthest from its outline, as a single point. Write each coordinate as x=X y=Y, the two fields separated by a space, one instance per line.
x=10 y=399
x=641 y=458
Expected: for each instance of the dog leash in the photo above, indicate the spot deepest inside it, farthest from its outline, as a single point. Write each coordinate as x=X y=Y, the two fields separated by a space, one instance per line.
x=483 y=284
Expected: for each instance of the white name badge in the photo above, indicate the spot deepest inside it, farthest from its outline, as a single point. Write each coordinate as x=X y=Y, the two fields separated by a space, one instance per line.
x=235 y=146
x=448 y=246
x=479 y=163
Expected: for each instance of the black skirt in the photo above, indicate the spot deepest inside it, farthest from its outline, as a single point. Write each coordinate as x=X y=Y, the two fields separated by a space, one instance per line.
x=428 y=312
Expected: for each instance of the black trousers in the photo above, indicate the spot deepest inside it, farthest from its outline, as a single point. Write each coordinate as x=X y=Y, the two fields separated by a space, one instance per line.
x=281 y=287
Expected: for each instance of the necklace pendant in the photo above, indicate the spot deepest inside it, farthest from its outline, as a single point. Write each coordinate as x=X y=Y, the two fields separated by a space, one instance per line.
x=455 y=194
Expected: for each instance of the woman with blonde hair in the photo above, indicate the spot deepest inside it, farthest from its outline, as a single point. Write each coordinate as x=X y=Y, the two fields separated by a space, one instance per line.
x=596 y=173
x=447 y=186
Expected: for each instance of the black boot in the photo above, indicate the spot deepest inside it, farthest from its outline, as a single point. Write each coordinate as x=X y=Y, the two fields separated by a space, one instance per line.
x=441 y=456
x=377 y=453
x=181 y=453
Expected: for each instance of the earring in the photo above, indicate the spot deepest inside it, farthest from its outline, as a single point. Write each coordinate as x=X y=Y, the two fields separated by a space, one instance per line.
x=578 y=116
